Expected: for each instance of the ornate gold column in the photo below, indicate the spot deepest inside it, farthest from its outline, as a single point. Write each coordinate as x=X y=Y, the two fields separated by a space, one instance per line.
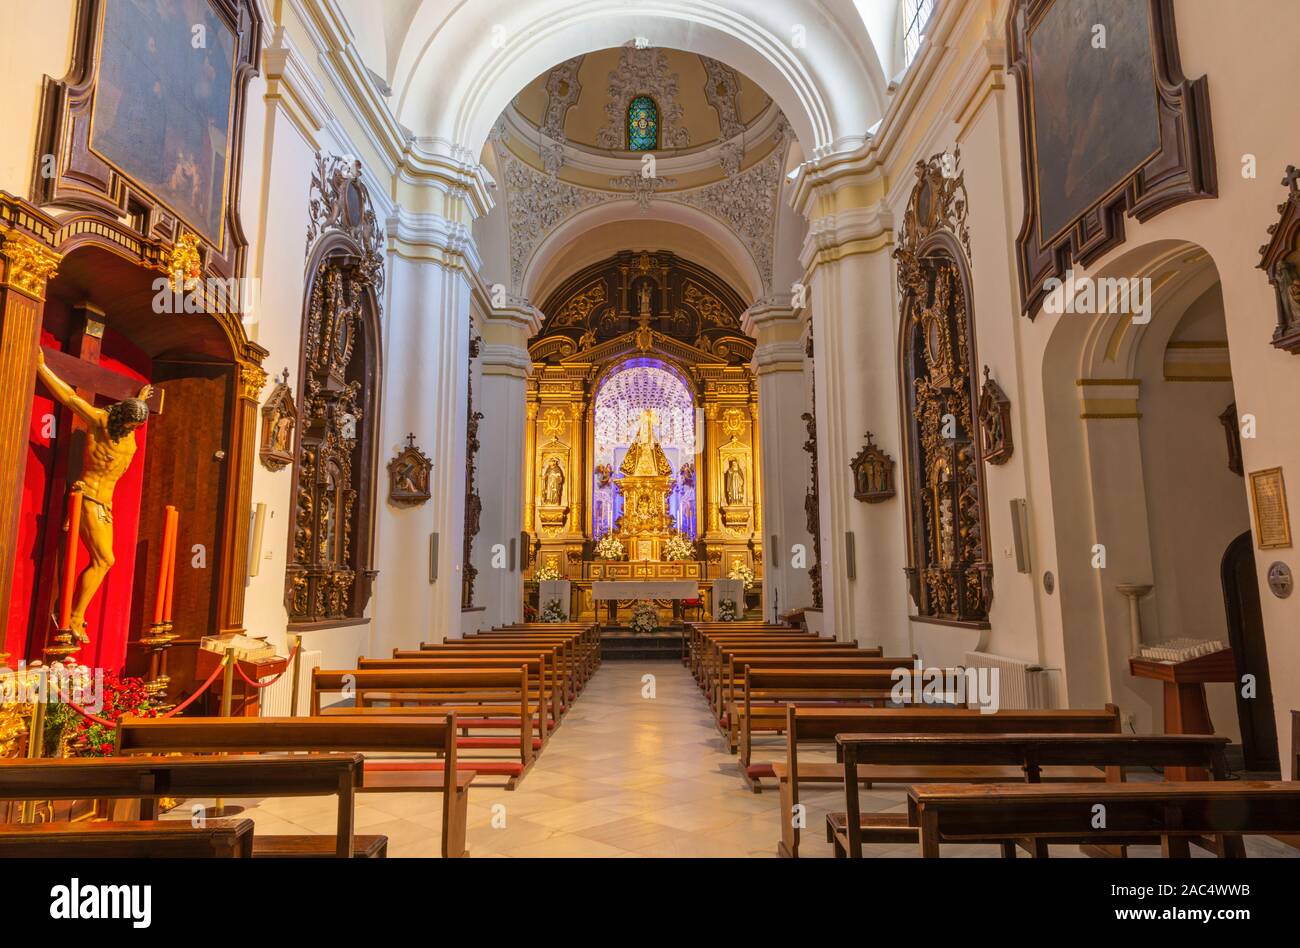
x=530 y=470
x=28 y=266
x=239 y=497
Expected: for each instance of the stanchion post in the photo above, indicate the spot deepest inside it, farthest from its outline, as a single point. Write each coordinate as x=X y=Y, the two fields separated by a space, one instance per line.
x=227 y=695
x=297 y=665
x=36 y=737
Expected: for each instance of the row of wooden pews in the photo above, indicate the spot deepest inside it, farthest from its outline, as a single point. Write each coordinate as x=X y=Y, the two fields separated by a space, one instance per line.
x=509 y=688
x=749 y=672
x=1022 y=780
x=432 y=721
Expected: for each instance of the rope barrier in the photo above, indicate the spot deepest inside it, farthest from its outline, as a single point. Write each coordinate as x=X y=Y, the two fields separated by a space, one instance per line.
x=104 y=722
x=93 y=719
x=267 y=684
x=194 y=697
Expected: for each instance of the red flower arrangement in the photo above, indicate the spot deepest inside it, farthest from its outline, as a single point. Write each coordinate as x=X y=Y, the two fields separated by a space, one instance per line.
x=122 y=696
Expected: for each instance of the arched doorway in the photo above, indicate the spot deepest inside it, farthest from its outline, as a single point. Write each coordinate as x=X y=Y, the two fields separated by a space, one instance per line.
x=1144 y=491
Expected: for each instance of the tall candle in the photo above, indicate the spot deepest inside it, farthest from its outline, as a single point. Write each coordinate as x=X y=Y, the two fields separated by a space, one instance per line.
x=168 y=549
x=70 y=558
x=171 y=565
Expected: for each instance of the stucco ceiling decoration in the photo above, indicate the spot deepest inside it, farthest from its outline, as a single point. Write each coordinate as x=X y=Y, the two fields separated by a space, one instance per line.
x=710 y=114
x=562 y=91
x=643 y=71
x=747 y=204
x=721 y=91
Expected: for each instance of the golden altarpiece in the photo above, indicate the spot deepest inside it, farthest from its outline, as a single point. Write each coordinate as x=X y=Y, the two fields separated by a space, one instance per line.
x=643 y=425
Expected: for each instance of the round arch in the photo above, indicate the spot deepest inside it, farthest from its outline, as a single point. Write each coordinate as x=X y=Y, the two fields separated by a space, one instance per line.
x=1109 y=478
x=830 y=99
x=540 y=269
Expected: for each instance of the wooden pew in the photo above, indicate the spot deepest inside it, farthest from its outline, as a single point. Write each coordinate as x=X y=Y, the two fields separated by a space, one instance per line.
x=500 y=693
x=821 y=725
x=721 y=689
x=1038 y=757
x=708 y=654
x=587 y=637
x=559 y=671
x=576 y=668
x=760 y=708
x=431 y=740
x=1176 y=811
x=695 y=632
x=219 y=839
x=571 y=664
x=584 y=657
x=543 y=685
x=187 y=777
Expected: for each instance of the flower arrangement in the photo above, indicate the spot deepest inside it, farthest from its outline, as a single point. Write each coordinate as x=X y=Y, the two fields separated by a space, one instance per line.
x=87 y=738
x=609 y=547
x=554 y=611
x=677 y=547
x=727 y=610
x=744 y=573
x=645 y=618
x=548 y=573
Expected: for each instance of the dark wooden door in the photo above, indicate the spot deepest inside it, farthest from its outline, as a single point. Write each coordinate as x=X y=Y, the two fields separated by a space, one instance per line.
x=1246 y=635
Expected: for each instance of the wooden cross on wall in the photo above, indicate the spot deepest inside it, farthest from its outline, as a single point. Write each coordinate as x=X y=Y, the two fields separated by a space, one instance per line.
x=79 y=367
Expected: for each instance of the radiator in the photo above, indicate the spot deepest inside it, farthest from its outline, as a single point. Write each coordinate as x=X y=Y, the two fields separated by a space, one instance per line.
x=1023 y=685
x=278 y=699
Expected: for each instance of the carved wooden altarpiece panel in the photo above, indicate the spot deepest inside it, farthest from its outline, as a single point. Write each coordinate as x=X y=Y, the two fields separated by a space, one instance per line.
x=1109 y=127
x=331 y=548
x=949 y=568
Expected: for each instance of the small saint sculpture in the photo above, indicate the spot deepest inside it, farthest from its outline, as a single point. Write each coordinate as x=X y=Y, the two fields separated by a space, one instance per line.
x=553 y=484
x=735 y=484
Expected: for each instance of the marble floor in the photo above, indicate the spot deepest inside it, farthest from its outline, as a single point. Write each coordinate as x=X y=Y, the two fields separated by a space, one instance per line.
x=637 y=768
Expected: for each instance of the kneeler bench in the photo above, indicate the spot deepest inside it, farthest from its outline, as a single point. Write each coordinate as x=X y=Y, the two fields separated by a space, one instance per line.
x=220 y=839
x=1035 y=759
x=1178 y=812
x=476 y=692
x=431 y=736
x=816 y=725
x=146 y=779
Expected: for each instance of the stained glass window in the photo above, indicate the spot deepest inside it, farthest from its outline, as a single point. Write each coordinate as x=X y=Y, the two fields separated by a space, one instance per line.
x=642 y=124
x=916 y=16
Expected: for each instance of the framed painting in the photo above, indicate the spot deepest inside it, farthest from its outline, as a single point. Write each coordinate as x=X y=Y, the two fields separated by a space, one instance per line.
x=164 y=98
x=1109 y=126
x=148 y=124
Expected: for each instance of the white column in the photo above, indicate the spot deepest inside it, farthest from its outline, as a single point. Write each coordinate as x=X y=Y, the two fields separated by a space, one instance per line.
x=426 y=366
x=855 y=327
x=500 y=587
x=786 y=467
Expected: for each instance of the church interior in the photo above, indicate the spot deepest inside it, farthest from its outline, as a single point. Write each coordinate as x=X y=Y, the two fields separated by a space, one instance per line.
x=580 y=429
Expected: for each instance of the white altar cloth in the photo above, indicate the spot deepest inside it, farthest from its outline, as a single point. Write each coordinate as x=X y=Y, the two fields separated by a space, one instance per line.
x=645 y=589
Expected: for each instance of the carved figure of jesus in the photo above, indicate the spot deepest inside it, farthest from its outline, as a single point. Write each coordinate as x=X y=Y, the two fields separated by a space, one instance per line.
x=110 y=447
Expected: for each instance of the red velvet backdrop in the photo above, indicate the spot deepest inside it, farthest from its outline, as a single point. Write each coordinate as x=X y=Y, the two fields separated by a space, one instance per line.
x=44 y=512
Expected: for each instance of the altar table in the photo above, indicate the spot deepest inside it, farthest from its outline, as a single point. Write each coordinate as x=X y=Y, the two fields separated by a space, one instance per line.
x=614 y=590
x=645 y=589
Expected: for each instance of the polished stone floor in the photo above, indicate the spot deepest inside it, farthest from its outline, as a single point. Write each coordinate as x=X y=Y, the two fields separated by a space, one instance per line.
x=637 y=768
